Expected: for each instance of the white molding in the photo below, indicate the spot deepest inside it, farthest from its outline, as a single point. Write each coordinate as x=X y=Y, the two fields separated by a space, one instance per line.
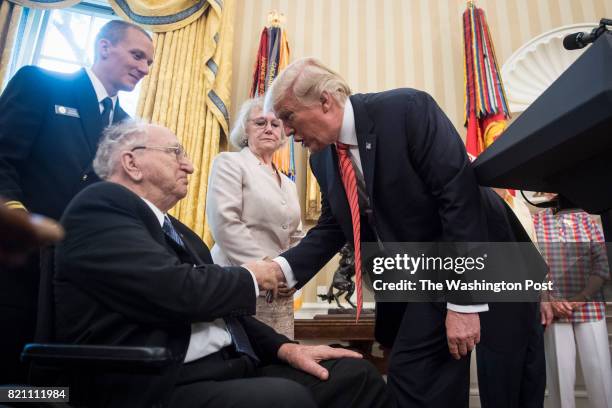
x=537 y=64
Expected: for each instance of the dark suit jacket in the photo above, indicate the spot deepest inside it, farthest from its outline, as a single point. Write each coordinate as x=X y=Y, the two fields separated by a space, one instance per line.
x=509 y=326
x=120 y=281
x=418 y=179
x=46 y=156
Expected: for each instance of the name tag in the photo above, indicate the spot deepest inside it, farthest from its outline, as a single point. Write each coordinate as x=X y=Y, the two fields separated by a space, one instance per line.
x=66 y=110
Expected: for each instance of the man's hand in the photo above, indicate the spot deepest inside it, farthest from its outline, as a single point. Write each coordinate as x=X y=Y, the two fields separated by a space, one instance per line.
x=23 y=233
x=462 y=332
x=306 y=358
x=546 y=313
x=561 y=308
x=284 y=291
x=280 y=276
x=577 y=304
x=265 y=275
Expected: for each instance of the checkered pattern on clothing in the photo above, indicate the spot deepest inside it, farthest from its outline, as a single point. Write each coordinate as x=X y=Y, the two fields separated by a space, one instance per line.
x=572 y=244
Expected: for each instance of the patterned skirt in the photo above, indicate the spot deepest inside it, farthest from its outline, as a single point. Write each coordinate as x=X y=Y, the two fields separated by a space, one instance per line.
x=278 y=314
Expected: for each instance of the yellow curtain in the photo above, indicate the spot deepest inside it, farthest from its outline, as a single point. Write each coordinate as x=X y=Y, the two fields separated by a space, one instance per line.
x=188 y=91
x=10 y=14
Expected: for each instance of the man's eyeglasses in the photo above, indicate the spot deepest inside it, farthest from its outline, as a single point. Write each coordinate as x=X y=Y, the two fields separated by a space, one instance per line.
x=261 y=123
x=179 y=151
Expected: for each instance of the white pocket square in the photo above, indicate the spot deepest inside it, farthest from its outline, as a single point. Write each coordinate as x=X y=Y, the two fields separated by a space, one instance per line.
x=67 y=110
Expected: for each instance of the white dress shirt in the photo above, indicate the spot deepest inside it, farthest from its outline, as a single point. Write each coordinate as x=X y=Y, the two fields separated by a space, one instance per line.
x=348 y=136
x=206 y=337
x=101 y=93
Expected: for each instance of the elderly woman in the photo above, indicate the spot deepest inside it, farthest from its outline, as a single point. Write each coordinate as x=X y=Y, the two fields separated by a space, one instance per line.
x=252 y=208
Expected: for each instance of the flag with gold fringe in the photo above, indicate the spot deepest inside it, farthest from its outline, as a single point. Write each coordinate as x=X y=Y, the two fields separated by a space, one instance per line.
x=486 y=106
x=273 y=56
x=261 y=63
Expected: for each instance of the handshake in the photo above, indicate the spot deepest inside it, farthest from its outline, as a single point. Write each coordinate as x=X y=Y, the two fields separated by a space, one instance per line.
x=270 y=277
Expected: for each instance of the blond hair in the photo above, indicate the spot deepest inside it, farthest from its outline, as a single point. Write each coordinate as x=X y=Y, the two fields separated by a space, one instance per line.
x=305 y=80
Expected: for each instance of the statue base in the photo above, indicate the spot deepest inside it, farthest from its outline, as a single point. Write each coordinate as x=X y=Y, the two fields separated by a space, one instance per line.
x=349 y=311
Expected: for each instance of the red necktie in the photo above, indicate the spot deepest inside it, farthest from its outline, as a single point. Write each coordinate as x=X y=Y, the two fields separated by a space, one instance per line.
x=347 y=173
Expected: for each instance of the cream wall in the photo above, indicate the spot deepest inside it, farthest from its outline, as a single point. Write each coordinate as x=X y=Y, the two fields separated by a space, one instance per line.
x=384 y=44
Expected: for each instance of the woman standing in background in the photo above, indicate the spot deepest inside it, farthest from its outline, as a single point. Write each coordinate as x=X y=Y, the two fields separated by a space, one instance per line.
x=253 y=209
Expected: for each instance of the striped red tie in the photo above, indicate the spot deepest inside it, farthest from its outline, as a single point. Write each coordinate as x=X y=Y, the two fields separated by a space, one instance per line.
x=347 y=173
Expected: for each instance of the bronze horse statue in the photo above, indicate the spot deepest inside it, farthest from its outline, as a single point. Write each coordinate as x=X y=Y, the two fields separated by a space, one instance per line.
x=343 y=278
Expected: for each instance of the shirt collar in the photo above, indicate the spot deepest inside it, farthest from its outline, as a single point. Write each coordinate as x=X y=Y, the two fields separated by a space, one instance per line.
x=99 y=87
x=348 y=134
x=158 y=213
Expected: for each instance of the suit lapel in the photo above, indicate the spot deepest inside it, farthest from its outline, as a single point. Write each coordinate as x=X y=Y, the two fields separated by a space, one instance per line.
x=89 y=110
x=334 y=181
x=366 y=139
x=157 y=232
x=184 y=254
x=198 y=258
x=119 y=114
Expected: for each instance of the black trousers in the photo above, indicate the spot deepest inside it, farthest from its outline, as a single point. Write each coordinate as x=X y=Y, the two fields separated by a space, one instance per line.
x=510 y=357
x=227 y=380
x=18 y=305
x=422 y=373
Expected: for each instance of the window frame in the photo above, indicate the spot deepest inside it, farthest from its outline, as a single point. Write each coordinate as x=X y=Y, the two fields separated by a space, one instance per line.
x=33 y=27
x=30 y=37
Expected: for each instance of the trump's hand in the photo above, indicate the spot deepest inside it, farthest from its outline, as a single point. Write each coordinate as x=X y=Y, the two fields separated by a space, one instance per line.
x=306 y=358
x=462 y=332
x=277 y=269
x=265 y=275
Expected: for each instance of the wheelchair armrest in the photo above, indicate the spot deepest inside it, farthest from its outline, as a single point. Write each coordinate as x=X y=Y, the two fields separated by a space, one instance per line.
x=70 y=355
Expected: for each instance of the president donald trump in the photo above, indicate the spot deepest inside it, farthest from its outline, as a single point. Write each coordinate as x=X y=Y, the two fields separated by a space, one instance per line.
x=391 y=168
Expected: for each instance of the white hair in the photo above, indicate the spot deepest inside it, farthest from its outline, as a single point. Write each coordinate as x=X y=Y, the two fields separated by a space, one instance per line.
x=238 y=134
x=115 y=139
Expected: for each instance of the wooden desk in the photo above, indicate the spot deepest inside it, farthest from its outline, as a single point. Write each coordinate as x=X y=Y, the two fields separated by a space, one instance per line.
x=359 y=335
